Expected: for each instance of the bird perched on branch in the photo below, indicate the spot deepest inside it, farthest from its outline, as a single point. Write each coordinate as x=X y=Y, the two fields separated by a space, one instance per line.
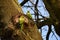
x=21 y=22
x=29 y=14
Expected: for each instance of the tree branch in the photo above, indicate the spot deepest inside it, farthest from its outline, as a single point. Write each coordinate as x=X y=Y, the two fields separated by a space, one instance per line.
x=23 y=2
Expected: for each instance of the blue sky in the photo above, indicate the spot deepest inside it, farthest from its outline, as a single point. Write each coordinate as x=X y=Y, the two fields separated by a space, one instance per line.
x=45 y=13
x=42 y=9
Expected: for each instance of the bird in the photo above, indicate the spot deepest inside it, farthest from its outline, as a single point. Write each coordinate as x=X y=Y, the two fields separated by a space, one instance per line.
x=29 y=14
x=21 y=22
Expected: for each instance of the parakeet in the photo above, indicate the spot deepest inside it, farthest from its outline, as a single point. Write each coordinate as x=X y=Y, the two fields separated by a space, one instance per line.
x=21 y=21
x=29 y=14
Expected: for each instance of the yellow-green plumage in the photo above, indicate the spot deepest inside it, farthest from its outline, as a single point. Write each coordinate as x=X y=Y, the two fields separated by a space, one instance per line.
x=21 y=21
x=29 y=14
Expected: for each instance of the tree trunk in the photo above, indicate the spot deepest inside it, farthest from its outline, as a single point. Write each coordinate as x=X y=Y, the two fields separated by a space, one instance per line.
x=9 y=31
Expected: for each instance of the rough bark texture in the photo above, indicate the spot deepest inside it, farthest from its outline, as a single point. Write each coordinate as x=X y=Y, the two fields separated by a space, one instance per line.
x=9 y=31
x=53 y=6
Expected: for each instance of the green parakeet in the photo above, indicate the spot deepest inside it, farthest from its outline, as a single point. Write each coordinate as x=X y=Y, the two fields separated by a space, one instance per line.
x=29 y=14
x=21 y=21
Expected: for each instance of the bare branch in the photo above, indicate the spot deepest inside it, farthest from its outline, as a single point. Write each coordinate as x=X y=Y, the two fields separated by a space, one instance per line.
x=23 y=2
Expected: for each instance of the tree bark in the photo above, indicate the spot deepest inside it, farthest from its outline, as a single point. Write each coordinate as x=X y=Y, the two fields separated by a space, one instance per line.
x=9 y=31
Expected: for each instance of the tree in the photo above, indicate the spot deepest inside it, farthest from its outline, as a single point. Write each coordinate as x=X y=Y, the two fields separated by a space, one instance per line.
x=10 y=11
x=53 y=6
